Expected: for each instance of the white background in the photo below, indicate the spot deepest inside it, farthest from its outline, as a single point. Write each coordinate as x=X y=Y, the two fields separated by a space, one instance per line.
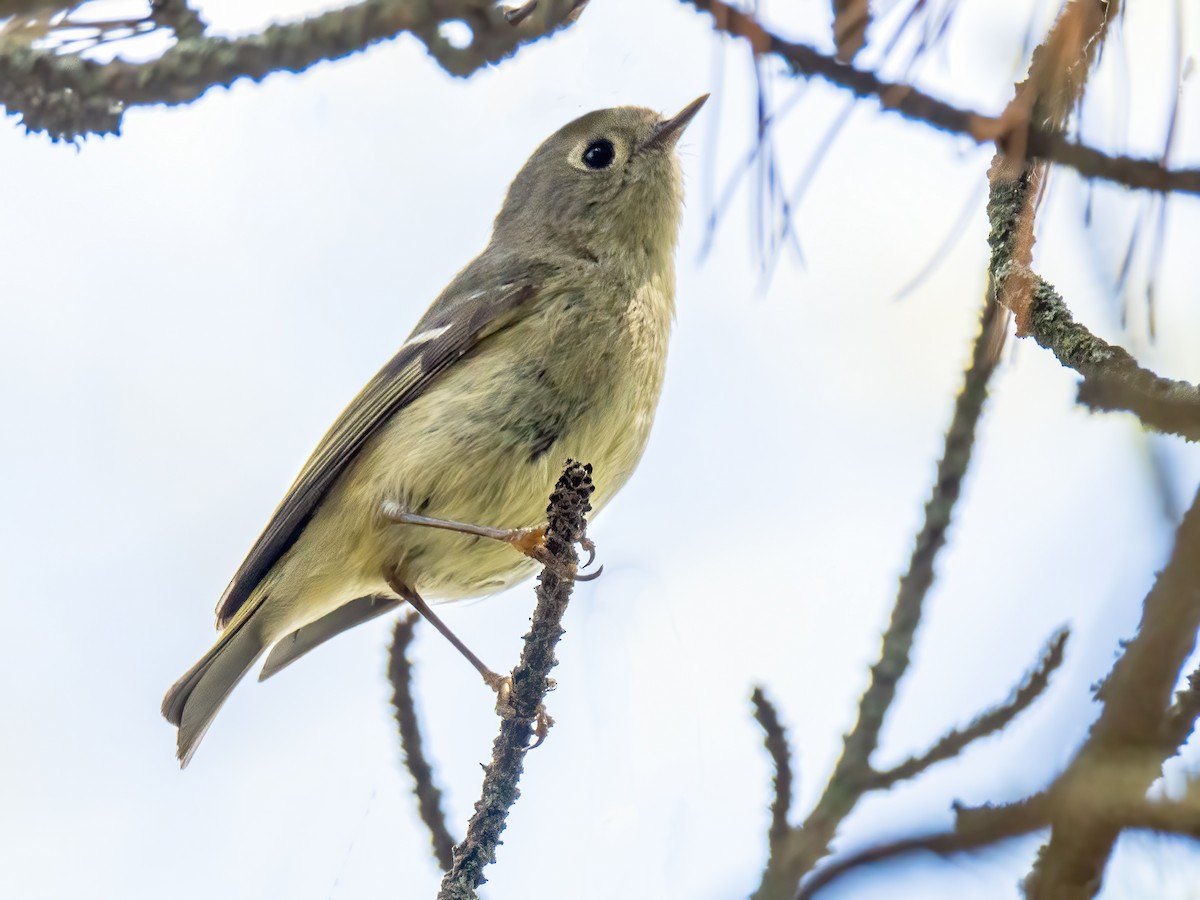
x=187 y=307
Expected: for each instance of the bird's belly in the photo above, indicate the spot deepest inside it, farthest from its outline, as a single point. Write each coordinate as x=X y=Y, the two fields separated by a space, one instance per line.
x=485 y=446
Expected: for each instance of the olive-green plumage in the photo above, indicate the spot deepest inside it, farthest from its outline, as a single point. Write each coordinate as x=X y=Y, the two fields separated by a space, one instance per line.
x=550 y=344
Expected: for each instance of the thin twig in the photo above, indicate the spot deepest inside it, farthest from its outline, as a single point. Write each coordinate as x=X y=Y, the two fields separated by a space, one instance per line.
x=69 y=97
x=429 y=798
x=850 y=21
x=984 y=831
x=530 y=683
x=776 y=742
x=1020 y=137
x=989 y=722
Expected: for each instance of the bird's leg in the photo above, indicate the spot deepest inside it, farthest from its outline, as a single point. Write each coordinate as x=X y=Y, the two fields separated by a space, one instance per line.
x=501 y=684
x=529 y=541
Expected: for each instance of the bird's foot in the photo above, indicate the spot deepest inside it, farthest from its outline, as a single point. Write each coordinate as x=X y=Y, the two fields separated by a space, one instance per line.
x=529 y=541
x=506 y=709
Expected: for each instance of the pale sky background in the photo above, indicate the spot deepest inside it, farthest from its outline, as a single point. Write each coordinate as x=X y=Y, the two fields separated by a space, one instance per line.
x=187 y=307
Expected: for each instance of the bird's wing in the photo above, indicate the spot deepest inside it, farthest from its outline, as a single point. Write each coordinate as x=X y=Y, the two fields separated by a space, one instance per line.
x=462 y=317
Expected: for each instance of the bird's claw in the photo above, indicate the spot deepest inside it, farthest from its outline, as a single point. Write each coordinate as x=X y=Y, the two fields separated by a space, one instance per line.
x=542 y=723
x=506 y=709
x=538 y=552
x=502 y=685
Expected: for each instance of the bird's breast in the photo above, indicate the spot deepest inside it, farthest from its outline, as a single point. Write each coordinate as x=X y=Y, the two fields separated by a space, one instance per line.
x=579 y=378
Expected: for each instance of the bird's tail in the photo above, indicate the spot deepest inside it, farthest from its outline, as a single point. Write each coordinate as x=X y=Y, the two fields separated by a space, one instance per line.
x=194 y=700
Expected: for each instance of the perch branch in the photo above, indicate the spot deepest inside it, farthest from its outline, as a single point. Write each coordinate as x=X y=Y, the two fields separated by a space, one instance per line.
x=530 y=683
x=429 y=798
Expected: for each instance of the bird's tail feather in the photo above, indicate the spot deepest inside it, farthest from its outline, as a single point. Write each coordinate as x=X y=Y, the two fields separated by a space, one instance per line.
x=302 y=640
x=194 y=700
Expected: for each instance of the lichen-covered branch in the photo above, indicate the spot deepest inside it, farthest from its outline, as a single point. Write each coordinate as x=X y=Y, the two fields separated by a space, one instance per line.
x=179 y=17
x=1018 y=134
x=530 y=682
x=776 y=742
x=989 y=722
x=69 y=97
x=429 y=797
x=1112 y=378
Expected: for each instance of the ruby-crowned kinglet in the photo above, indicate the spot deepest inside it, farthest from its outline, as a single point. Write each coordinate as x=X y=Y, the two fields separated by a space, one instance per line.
x=550 y=344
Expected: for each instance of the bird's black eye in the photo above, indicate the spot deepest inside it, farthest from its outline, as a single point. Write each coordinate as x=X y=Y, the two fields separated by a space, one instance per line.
x=599 y=154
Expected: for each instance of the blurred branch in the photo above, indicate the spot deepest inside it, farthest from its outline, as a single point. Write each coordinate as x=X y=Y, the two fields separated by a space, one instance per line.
x=986 y=827
x=986 y=723
x=776 y=742
x=1182 y=716
x=429 y=798
x=1058 y=72
x=1016 y=134
x=530 y=683
x=1103 y=789
x=805 y=845
x=978 y=829
x=850 y=21
x=69 y=97
x=179 y=17
x=1134 y=733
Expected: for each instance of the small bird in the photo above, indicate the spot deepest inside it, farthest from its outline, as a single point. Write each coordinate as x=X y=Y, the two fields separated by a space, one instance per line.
x=550 y=344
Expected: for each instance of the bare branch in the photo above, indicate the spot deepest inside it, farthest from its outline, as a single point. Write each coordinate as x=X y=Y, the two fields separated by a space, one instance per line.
x=69 y=97
x=530 y=683
x=989 y=722
x=1126 y=743
x=1046 y=95
x=806 y=845
x=1182 y=716
x=850 y=21
x=429 y=798
x=1016 y=135
x=776 y=742
x=985 y=829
